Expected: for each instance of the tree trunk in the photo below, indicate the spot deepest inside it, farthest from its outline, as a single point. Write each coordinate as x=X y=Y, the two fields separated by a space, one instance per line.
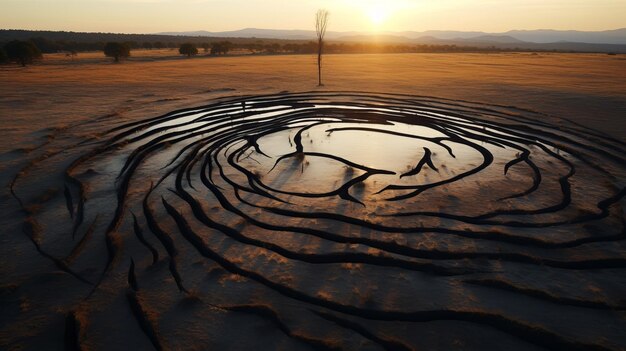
x=319 y=63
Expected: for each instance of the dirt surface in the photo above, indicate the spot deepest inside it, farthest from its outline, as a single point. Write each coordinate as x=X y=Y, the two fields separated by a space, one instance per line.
x=472 y=201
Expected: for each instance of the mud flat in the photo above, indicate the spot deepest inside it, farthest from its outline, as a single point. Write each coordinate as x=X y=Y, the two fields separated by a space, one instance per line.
x=316 y=220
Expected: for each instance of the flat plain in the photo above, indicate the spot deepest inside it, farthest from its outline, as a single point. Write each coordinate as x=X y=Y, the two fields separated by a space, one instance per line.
x=415 y=201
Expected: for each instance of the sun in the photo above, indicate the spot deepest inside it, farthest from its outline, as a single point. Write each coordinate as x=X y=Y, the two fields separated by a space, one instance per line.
x=378 y=14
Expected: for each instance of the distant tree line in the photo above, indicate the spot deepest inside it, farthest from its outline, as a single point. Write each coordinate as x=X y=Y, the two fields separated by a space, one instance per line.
x=217 y=46
x=49 y=46
x=56 y=41
x=60 y=41
x=29 y=50
x=364 y=48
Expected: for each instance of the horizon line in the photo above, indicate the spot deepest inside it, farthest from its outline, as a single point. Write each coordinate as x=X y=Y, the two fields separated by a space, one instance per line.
x=311 y=30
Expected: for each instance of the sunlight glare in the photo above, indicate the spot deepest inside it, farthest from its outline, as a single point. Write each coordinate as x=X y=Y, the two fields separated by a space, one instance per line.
x=378 y=14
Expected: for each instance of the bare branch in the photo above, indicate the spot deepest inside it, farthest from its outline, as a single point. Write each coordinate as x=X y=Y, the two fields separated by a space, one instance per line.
x=321 y=22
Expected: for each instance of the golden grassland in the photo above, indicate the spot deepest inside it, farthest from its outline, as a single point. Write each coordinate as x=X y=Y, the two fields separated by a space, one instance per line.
x=587 y=88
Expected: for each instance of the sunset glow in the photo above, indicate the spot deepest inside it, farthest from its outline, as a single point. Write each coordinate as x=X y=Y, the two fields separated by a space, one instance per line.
x=153 y=16
x=378 y=14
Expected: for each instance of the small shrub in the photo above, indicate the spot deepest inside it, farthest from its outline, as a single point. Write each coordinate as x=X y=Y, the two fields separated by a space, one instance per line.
x=188 y=49
x=23 y=52
x=117 y=50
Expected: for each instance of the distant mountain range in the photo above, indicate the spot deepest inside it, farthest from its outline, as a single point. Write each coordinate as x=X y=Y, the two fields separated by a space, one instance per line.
x=542 y=36
x=612 y=41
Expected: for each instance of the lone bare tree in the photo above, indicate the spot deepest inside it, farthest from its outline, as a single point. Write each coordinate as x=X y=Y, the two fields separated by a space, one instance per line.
x=321 y=22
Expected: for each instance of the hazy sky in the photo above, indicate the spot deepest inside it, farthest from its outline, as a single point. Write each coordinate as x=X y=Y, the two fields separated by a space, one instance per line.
x=148 y=16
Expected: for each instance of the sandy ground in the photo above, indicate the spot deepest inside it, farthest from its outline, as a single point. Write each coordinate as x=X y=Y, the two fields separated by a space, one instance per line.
x=119 y=234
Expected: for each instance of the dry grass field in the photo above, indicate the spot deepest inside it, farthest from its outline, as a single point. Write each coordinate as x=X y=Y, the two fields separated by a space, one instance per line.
x=586 y=88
